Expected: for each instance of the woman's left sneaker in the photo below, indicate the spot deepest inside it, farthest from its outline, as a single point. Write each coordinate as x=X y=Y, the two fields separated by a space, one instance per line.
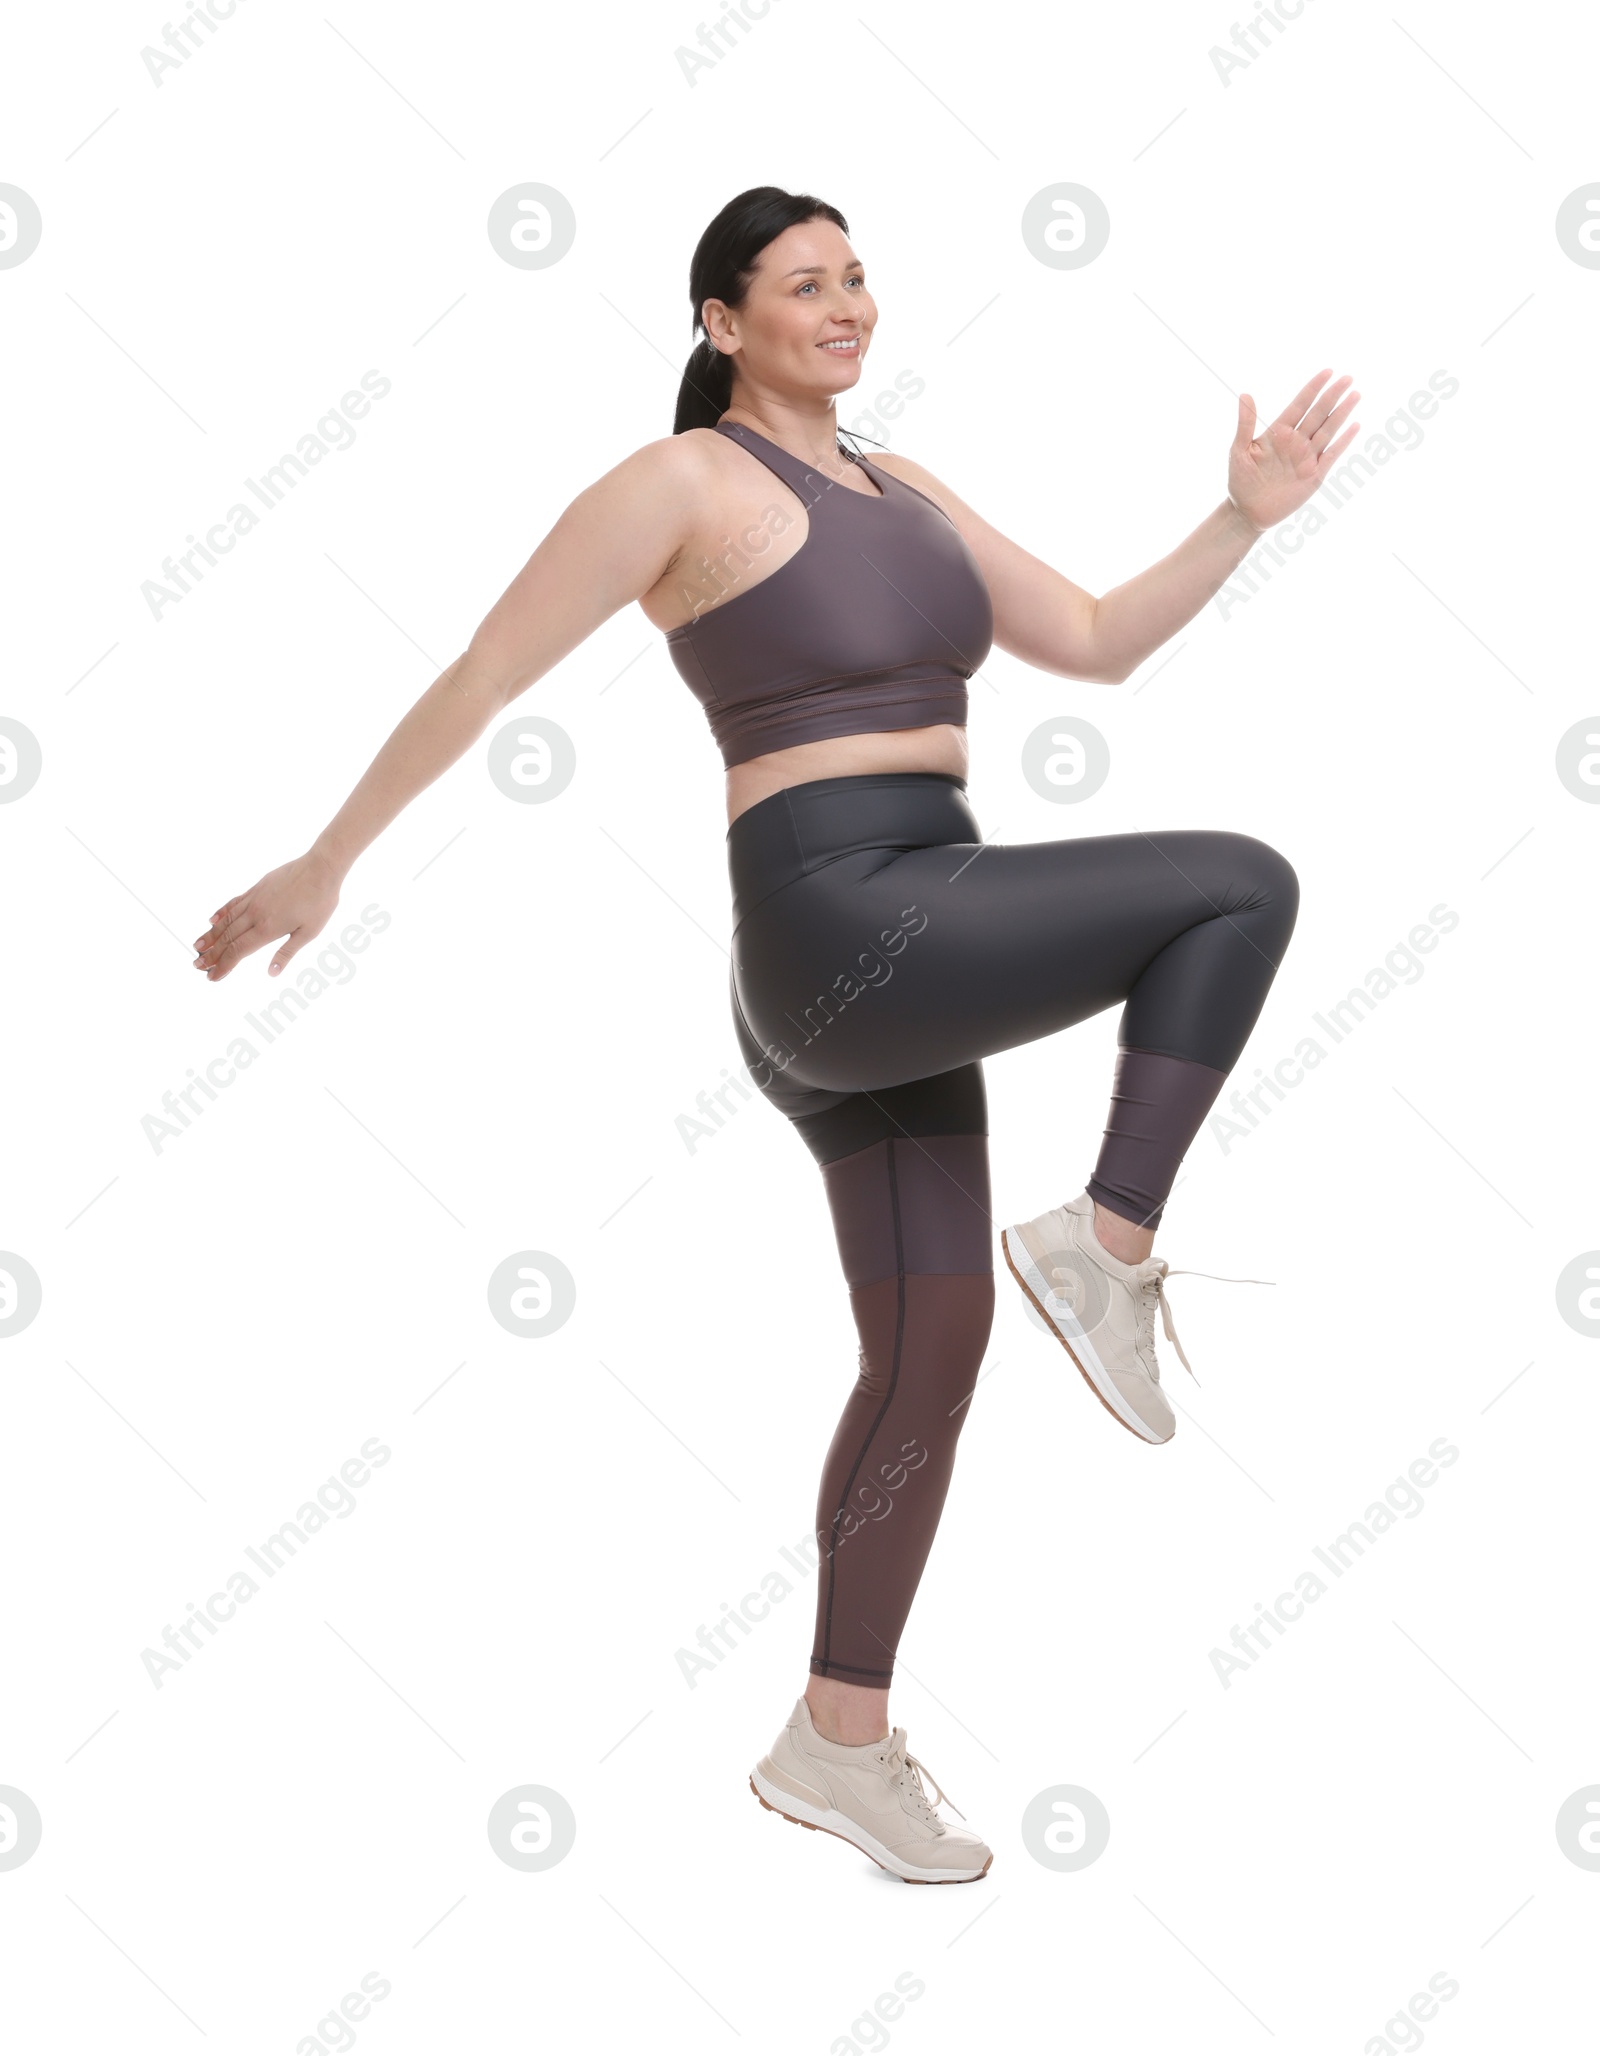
x=1102 y=1311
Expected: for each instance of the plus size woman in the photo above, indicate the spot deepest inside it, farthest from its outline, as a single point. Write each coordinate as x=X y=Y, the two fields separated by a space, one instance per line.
x=827 y=611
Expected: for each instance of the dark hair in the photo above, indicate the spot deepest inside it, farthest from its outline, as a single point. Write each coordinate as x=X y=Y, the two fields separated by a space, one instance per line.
x=723 y=264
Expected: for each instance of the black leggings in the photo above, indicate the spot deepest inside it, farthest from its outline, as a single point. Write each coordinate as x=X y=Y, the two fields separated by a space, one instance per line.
x=881 y=950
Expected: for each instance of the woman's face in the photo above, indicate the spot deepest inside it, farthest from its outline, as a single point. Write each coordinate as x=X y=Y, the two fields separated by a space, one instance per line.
x=806 y=320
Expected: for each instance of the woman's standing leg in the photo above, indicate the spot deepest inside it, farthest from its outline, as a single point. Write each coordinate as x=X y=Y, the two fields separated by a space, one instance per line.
x=911 y=1215
x=906 y=1176
x=906 y=1173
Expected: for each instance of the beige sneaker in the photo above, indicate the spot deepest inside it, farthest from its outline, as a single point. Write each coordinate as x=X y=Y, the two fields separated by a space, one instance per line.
x=1103 y=1311
x=870 y=1795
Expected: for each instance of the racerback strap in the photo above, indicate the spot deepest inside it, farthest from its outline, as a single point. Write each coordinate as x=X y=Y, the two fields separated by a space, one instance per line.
x=808 y=484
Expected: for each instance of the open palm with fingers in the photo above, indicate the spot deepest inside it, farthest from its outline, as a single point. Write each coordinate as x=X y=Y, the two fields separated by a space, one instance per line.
x=1272 y=474
x=295 y=902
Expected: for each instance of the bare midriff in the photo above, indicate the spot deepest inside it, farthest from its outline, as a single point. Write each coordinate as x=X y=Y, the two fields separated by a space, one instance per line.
x=940 y=748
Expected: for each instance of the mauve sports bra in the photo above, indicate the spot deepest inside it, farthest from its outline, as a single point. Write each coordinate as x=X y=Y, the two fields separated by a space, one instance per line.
x=877 y=621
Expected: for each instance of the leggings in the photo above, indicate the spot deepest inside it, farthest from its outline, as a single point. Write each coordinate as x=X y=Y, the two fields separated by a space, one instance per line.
x=881 y=950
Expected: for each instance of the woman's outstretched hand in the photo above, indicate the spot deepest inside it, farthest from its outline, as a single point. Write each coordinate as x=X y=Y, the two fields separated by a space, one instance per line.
x=1279 y=470
x=297 y=901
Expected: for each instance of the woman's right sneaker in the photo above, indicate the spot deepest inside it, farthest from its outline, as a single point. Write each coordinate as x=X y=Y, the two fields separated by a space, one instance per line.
x=871 y=1795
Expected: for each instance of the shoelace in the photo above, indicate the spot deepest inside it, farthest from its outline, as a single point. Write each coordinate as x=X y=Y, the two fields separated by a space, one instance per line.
x=1153 y=1271
x=903 y=1761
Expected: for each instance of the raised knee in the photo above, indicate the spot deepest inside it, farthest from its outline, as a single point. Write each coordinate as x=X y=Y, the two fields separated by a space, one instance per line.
x=1268 y=874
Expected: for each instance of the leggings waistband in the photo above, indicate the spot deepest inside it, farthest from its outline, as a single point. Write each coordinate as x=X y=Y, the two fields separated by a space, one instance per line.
x=802 y=827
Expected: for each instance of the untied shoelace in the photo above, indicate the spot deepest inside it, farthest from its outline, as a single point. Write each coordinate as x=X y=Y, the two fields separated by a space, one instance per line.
x=1153 y=1271
x=897 y=1754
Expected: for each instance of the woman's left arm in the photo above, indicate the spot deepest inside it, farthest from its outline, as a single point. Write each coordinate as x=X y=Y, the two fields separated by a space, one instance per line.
x=1047 y=621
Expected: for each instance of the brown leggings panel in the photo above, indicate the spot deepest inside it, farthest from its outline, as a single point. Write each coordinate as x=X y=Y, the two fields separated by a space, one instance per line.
x=911 y=1215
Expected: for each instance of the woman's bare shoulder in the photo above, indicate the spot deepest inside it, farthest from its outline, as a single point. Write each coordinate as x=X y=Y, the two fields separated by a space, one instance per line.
x=677 y=459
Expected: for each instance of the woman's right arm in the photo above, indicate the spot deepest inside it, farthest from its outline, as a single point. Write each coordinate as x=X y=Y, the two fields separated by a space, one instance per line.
x=614 y=542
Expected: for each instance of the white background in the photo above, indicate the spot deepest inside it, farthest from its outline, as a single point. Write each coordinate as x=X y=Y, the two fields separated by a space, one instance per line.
x=226 y=1319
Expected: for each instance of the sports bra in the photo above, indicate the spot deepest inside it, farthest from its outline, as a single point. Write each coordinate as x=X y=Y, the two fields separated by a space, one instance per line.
x=877 y=621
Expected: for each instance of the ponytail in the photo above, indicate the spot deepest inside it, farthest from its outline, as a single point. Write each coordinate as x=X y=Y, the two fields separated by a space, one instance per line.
x=707 y=386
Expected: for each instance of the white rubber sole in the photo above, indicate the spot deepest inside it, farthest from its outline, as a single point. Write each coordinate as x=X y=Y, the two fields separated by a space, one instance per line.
x=831 y=1822
x=1072 y=1336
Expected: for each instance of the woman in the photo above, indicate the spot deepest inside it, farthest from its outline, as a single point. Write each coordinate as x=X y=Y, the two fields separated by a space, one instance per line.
x=827 y=612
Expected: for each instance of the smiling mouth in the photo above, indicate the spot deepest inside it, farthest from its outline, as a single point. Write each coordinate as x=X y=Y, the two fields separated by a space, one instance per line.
x=842 y=346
